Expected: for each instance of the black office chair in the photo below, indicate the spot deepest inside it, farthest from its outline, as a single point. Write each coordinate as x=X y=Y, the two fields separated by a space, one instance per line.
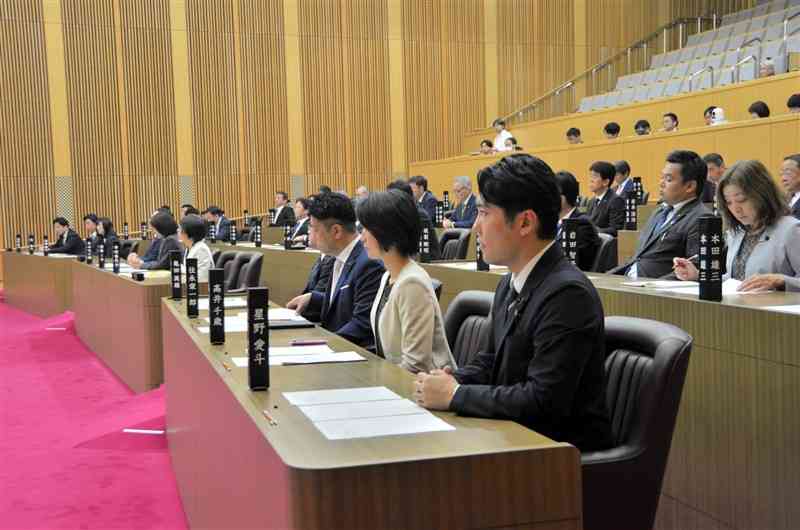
x=125 y=247
x=250 y=273
x=437 y=288
x=215 y=256
x=454 y=243
x=606 y=257
x=646 y=367
x=645 y=197
x=467 y=323
x=233 y=268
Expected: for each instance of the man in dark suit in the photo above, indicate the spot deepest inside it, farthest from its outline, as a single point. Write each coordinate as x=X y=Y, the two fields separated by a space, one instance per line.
x=623 y=183
x=543 y=366
x=68 y=240
x=222 y=225
x=425 y=199
x=464 y=215
x=716 y=168
x=300 y=228
x=672 y=231
x=424 y=219
x=790 y=177
x=284 y=214
x=90 y=221
x=606 y=210
x=346 y=302
x=587 y=238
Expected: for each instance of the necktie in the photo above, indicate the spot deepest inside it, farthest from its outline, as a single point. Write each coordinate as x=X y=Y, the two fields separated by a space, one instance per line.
x=511 y=302
x=662 y=218
x=337 y=271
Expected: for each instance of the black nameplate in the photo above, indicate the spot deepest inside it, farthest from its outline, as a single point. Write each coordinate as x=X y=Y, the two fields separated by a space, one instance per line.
x=272 y=216
x=45 y=245
x=446 y=200
x=18 y=243
x=212 y=232
x=425 y=245
x=709 y=256
x=192 y=290
x=115 y=257
x=631 y=213
x=258 y=338
x=287 y=237
x=175 y=274
x=126 y=234
x=257 y=234
x=439 y=214
x=638 y=190
x=31 y=244
x=569 y=239
x=101 y=254
x=143 y=230
x=216 y=305
x=480 y=262
x=232 y=236
x=89 y=250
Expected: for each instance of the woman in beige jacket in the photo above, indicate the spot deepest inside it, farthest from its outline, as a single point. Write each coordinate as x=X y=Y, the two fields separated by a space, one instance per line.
x=405 y=317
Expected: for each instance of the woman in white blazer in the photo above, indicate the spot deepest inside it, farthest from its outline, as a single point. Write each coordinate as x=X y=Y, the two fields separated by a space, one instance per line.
x=763 y=241
x=192 y=234
x=405 y=317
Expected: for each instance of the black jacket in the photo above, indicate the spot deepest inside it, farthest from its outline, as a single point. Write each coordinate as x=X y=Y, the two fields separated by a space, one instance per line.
x=428 y=202
x=69 y=243
x=433 y=239
x=587 y=238
x=168 y=244
x=608 y=214
x=108 y=244
x=544 y=364
x=286 y=217
x=796 y=210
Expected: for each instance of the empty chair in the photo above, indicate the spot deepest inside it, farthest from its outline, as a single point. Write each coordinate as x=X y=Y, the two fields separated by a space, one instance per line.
x=651 y=75
x=724 y=32
x=665 y=74
x=757 y=34
x=611 y=99
x=687 y=54
x=757 y=24
x=741 y=27
x=693 y=40
x=697 y=65
x=777 y=52
x=467 y=323
x=729 y=19
x=636 y=79
x=680 y=70
x=249 y=274
x=794 y=24
x=730 y=59
x=719 y=46
x=715 y=62
x=645 y=367
x=725 y=76
x=622 y=82
x=454 y=243
x=606 y=257
x=586 y=104
x=657 y=61
x=233 y=268
x=600 y=101
x=641 y=94
x=703 y=81
x=437 y=288
x=774 y=32
x=626 y=96
x=215 y=257
x=747 y=71
x=656 y=90
x=777 y=6
x=760 y=10
x=222 y=258
x=676 y=86
x=707 y=37
x=703 y=50
x=736 y=41
x=672 y=57
x=776 y=18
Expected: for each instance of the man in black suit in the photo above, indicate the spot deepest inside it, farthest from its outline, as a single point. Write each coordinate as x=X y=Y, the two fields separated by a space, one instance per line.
x=543 y=366
x=222 y=225
x=346 y=302
x=426 y=199
x=790 y=177
x=606 y=210
x=716 y=168
x=284 y=214
x=424 y=219
x=672 y=231
x=623 y=183
x=587 y=238
x=68 y=240
x=300 y=228
x=90 y=221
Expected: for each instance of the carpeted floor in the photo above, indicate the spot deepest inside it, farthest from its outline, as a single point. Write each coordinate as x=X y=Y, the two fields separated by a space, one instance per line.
x=64 y=461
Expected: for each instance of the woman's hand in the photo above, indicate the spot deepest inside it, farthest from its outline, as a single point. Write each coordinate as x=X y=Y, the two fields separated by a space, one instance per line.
x=763 y=282
x=684 y=269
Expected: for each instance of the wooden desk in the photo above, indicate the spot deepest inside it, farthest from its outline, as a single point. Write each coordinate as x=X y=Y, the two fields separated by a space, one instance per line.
x=37 y=284
x=626 y=245
x=234 y=470
x=119 y=319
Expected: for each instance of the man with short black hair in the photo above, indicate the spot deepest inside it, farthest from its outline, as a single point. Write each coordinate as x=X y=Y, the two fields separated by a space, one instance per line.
x=68 y=240
x=716 y=168
x=790 y=177
x=606 y=210
x=426 y=199
x=574 y=136
x=670 y=122
x=424 y=219
x=543 y=366
x=222 y=225
x=611 y=130
x=793 y=104
x=346 y=303
x=90 y=221
x=642 y=128
x=672 y=231
x=284 y=214
x=623 y=183
x=708 y=115
x=587 y=240
x=300 y=229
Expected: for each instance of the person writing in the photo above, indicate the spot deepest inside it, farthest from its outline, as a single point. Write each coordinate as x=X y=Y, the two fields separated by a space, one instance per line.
x=405 y=317
x=192 y=234
x=105 y=236
x=68 y=240
x=167 y=229
x=763 y=240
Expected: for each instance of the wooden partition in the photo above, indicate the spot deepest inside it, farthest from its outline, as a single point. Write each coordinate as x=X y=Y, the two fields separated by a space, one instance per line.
x=768 y=140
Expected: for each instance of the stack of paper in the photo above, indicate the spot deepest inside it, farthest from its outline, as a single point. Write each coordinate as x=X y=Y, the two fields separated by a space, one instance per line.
x=232 y=302
x=235 y=324
x=471 y=266
x=793 y=309
x=316 y=354
x=364 y=413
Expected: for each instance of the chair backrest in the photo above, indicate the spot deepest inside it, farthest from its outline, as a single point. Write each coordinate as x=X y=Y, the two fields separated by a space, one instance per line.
x=215 y=256
x=454 y=243
x=606 y=257
x=221 y=258
x=125 y=247
x=467 y=323
x=646 y=367
x=250 y=273
x=233 y=268
x=437 y=288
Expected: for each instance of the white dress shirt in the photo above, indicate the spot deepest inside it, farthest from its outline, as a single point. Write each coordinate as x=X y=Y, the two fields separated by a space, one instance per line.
x=299 y=225
x=278 y=211
x=633 y=270
x=205 y=260
x=518 y=280
x=794 y=199
x=338 y=265
x=500 y=140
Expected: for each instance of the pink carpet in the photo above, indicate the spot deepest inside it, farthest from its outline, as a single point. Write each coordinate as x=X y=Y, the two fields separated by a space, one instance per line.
x=65 y=461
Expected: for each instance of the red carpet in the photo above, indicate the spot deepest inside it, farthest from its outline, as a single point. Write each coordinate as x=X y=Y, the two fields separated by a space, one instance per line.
x=65 y=461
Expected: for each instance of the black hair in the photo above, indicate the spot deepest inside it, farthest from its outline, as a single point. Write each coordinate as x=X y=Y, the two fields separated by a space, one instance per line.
x=641 y=124
x=108 y=226
x=673 y=116
x=334 y=208
x=500 y=122
x=191 y=210
x=709 y=110
x=215 y=210
x=523 y=182
x=90 y=217
x=573 y=131
x=612 y=128
x=61 y=220
x=165 y=208
x=568 y=185
x=304 y=201
x=794 y=101
x=512 y=140
x=392 y=218
x=714 y=158
x=606 y=170
x=325 y=189
x=194 y=227
x=622 y=167
x=760 y=108
x=692 y=168
x=187 y=205
x=793 y=158
x=401 y=185
x=164 y=224
x=420 y=181
x=487 y=143
x=283 y=194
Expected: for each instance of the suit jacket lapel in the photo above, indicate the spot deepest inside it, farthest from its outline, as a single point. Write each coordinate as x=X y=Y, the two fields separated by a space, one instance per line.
x=344 y=276
x=656 y=235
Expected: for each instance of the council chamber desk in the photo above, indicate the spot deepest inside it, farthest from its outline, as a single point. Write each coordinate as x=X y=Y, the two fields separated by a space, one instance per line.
x=736 y=450
x=235 y=469
x=38 y=284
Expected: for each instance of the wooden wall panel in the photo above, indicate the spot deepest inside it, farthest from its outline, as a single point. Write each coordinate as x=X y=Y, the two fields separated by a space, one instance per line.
x=26 y=151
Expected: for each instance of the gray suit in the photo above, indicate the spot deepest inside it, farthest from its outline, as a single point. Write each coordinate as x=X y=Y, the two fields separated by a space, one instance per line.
x=777 y=251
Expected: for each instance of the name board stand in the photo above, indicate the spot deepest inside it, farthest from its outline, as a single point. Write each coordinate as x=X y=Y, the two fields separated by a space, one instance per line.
x=216 y=305
x=287 y=237
x=257 y=234
x=480 y=263
x=192 y=291
x=446 y=201
x=257 y=338
x=272 y=216
x=115 y=257
x=710 y=258
x=233 y=234
x=631 y=213
x=425 y=245
x=638 y=190
x=212 y=232
x=569 y=239
x=45 y=245
x=439 y=214
x=89 y=250
x=175 y=274
x=143 y=229
x=126 y=234
x=31 y=244
x=101 y=254
x=18 y=243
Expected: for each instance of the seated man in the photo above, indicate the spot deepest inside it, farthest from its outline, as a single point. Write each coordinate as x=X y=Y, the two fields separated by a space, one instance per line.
x=465 y=213
x=574 y=136
x=68 y=240
x=425 y=221
x=672 y=231
x=642 y=128
x=793 y=104
x=790 y=178
x=284 y=214
x=543 y=367
x=606 y=210
x=611 y=130
x=426 y=199
x=716 y=168
x=222 y=225
x=300 y=228
x=346 y=302
x=623 y=183
x=670 y=122
x=587 y=238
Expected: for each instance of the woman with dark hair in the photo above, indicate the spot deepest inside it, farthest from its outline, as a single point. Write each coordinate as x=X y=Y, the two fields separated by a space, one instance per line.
x=763 y=240
x=167 y=228
x=405 y=317
x=759 y=109
x=192 y=235
x=487 y=147
x=105 y=236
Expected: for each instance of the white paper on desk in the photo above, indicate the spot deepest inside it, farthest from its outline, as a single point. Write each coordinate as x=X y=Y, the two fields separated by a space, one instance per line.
x=468 y=266
x=332 y=357
x=794 y=309
x=729 y=288
x=384 y=426
x=280 y=313
x=230 y=303
x=367 y=409
x=315 y=349
x=232 y=325
x=662 y=284
x=340 y=395
x=63 y=256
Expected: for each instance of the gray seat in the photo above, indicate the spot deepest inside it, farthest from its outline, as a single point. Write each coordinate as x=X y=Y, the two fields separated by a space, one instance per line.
x=454 y=243
x=657 y=61
x=611 y=99
x=664 y=74
x=249 y=273
x=656 y=90
x=606 y=257
x=626 y=96
x=586 y=104
x=234 y=267
x=687 y=53
x=719 y=46
x=467 y=323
